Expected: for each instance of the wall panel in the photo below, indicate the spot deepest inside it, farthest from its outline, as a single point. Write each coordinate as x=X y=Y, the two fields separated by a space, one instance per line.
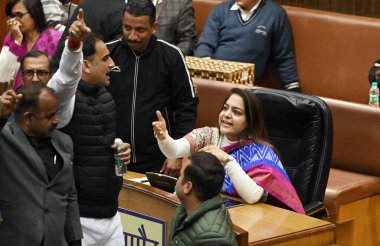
x=3 y=21
x=370 y=8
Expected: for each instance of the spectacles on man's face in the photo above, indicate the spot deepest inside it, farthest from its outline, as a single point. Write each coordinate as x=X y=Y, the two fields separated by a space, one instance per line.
x=17 y=15
x=41 y=74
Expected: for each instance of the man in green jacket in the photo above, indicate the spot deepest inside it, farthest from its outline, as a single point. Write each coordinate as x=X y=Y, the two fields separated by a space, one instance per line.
x=202 y=218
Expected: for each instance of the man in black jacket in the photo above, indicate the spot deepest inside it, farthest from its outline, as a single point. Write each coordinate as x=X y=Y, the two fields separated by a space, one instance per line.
x=92 y=127
x=90 y=120
x=153 y=76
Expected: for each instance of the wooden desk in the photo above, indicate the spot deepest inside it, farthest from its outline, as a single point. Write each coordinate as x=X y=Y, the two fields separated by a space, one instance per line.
x=266 y=225
x=147 y=200
x=269 y=225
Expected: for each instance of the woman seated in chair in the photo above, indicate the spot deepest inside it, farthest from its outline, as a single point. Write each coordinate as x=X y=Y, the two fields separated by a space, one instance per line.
x=28 y=31
x=253 y=170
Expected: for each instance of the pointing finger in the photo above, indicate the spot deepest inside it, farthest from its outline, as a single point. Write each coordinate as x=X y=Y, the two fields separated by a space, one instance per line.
x=159 y=116
x=11 y=84
x=80 y=15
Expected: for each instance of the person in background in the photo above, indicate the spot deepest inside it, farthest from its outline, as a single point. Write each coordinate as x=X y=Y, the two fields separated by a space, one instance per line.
x=102 y=17
x=54 y=14
x=240 y=142
x=28 y=31
x=92 y=127
x=153 y=76
x=374 y=73
x=36 y=67
x=176 y=23
x=38 y=202
x=201 y=218
x=251 y=31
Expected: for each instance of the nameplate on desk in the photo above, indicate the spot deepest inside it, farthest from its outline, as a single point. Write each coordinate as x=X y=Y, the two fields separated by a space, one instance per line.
x=140 y=229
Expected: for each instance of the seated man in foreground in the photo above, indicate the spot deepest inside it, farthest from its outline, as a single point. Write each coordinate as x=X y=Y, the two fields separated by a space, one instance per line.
x=202 y=218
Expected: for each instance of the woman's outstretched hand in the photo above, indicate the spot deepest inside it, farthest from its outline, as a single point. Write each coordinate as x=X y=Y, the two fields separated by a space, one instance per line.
x=159 y=127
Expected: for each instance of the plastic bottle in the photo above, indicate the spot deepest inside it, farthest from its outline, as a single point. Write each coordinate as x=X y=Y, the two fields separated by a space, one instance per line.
x=374 y=95
x=120 y=167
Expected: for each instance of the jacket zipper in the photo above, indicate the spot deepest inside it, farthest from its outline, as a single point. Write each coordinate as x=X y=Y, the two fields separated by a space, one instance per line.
x=134 y=159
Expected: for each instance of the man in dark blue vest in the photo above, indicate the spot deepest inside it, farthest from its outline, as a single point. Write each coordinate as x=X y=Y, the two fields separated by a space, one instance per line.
x=92 y=127
x=90 y=120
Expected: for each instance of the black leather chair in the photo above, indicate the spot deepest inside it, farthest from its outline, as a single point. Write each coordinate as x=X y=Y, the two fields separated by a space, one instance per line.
x=300 y=127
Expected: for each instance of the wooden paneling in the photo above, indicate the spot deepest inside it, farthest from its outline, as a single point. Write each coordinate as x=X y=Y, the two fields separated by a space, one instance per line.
x=3 y=21
x=370 y=8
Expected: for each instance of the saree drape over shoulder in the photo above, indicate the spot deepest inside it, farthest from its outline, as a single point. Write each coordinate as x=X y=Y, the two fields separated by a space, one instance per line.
x=259 y=161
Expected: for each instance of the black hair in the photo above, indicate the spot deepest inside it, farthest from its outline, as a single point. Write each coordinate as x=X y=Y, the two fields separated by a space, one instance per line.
x=206 y=174
x=141 y=8
x=255 y=129
x=36 y=54
x=35 y=10
x=30 y=98
x=89 y=44
x=372 y=73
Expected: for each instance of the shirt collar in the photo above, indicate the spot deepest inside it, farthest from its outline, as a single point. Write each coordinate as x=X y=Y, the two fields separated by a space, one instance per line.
x=153 y=1
x=235 y=6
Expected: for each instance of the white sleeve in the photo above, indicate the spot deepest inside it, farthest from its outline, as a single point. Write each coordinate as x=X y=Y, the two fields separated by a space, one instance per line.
x=65 y=82
x=245 y=186
x=174 y=148
x=9 y=65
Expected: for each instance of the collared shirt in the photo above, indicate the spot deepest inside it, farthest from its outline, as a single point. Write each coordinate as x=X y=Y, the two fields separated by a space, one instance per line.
x=245 y=15
x=49 y=156
x=153 y=1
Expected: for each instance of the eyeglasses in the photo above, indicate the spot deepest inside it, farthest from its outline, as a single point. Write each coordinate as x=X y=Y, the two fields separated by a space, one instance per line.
x=17 y=15
x=40 y=73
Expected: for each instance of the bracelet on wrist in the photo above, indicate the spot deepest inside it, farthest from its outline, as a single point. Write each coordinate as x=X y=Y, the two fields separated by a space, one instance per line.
x=73 y=44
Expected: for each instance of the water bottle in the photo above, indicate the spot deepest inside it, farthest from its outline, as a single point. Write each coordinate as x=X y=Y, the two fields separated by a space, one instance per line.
x=374 y=95
x=120 y=167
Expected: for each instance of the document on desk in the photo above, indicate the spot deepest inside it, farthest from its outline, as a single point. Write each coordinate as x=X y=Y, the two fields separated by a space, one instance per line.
x=143 y=180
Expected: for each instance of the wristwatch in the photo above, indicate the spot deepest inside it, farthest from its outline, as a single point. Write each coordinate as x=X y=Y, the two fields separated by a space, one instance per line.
x=228 y=159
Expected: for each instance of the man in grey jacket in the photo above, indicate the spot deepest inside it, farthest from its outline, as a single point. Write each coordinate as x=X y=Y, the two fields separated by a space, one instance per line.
x=176 y=23
x=38 y=201
x=202 y=218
